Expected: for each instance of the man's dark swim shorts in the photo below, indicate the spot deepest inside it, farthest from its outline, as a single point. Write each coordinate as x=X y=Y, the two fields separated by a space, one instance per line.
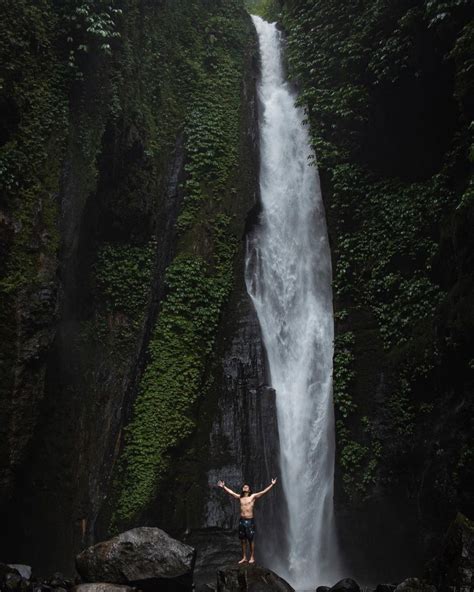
x=246 y=528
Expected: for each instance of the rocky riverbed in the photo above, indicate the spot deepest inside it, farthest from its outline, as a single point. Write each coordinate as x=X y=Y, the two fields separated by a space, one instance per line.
x=147 y=559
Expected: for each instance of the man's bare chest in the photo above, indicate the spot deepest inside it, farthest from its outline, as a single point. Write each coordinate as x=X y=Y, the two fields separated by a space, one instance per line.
x=247 y=504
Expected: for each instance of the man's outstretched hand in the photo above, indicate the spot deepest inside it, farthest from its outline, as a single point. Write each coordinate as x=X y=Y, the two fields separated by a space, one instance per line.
x=221 y=484
x=274 y=481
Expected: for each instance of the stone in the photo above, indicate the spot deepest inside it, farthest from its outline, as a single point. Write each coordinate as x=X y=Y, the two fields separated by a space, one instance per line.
x=453 y=566
x=6 y=569
x=24 y=570
x=415 y=585
x=345 y=585
x=58 y=580
x=385 y=588
x=215 y=549
x=146 y=556
x=322 y=589
x=11 y=580
x=102 y=587
x=251 y=578
x=14 y=582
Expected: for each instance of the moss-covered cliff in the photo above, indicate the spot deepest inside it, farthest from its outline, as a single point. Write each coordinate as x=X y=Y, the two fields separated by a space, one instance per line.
x=128 y=172
x=389 y=100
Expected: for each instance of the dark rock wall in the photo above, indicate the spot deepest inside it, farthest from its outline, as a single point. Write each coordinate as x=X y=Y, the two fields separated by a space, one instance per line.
x=78 y=325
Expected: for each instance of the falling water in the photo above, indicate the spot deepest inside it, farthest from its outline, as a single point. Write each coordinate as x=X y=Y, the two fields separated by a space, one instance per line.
x=288 y=276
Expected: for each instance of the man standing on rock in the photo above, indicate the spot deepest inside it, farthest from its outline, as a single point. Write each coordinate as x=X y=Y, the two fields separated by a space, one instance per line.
x=246 y=523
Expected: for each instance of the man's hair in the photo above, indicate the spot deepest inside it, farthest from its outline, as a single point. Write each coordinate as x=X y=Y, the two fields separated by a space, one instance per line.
x=249 y=492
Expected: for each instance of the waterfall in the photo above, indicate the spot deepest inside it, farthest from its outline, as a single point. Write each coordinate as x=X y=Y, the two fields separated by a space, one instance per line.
x=288 y=277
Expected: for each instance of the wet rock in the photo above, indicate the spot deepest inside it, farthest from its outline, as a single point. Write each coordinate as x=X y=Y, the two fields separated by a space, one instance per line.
x=5 y=569
x=345 y=585
x=102 y=587
x=415 y=585
x=60 y=581
x=250 y=578
x=13 y=582
x=214 y=549
x=454 y=564
x=144 y=556
x=23 y=570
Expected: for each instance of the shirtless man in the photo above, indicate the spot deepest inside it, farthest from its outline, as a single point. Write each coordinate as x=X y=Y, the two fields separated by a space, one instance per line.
x=246 y=522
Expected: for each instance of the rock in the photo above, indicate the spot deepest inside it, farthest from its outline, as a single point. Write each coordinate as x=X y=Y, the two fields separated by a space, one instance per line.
x=215 y=549
x=345 y=585
x=59 y=581
x=250 y=578
x=385 y=588
x=5 y=569
x=15 y=583
x=415 y=585
x=454 y=564
x=23 y=570
x=102 y=587
x=145 y=556
x=322 y=589
x=11 y=580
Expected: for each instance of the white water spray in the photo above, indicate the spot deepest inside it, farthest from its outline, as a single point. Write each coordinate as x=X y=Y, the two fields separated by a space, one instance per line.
x=288 y=276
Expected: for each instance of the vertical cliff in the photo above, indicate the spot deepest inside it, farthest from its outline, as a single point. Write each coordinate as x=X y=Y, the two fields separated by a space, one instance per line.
x=389 y=100
x=129 y=163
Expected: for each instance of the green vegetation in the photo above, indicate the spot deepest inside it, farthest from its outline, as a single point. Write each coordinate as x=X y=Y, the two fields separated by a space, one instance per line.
x=33 y=136
x=180 y=346
x=124 y=274
x=267 y=9
x=344 y=373
x=90 y=26
x=33 y=133
x=200 y=278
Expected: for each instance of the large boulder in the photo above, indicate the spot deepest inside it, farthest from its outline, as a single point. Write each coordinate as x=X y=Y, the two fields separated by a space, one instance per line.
x=11 y=580
x=345 y=585
x=102 y=587
x=453 y=567
x=146 y=557
x=415 y=585
x=250 y=578
x=23 y=570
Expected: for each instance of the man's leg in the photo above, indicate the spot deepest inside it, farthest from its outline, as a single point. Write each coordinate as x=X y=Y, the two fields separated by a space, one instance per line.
x=252 y=551
x=244 y=551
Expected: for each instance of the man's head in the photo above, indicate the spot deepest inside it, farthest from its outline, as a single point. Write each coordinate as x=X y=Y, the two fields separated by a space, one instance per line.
x=246 y=491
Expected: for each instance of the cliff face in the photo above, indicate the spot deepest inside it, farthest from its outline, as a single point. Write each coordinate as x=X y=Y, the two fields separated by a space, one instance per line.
x=130 y=163
x=389 y=101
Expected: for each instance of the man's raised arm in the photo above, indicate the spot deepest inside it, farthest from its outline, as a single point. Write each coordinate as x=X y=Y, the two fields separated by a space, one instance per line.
x=229 y=491
x=266 y=490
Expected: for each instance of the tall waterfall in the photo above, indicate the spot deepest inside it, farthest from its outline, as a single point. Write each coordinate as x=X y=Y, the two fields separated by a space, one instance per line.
x=288 y=276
